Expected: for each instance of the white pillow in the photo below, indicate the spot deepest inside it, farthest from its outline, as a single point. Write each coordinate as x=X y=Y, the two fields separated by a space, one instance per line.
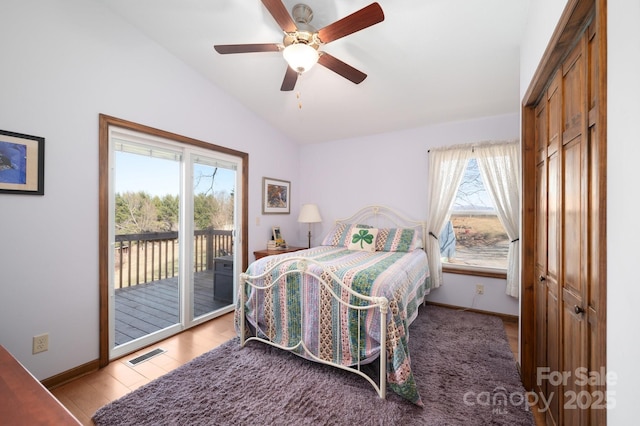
x=363 y=239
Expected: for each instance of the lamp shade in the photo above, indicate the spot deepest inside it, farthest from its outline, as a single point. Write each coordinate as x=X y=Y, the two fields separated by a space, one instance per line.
x=309 y=213
x=300 y=57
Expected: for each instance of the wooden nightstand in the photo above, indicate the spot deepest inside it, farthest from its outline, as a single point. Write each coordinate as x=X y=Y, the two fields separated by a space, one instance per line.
x=262 y=253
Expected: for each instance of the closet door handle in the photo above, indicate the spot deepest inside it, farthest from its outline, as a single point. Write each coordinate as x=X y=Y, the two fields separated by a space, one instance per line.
x=542 y=278
x=578 y=309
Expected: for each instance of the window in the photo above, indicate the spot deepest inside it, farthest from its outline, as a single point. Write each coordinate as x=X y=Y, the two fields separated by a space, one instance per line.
x=474 y=235
x=495 y=170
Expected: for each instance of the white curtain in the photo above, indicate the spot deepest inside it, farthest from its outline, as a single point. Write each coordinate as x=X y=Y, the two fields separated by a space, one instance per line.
x=446 y=168
x=499 y=165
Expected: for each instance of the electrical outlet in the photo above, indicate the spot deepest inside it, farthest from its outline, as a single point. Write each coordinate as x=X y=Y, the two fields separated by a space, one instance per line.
x=479 y=289
x=40 y=343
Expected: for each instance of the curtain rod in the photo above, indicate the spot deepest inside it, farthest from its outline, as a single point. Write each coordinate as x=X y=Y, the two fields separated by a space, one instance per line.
x=473 y=145
x=472 y=149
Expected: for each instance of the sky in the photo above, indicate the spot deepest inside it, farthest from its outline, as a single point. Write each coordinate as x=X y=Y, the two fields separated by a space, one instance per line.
x=157 y=176
x=472 y=194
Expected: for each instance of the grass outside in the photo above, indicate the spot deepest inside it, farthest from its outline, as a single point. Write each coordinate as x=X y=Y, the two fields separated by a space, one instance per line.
x=480 y=241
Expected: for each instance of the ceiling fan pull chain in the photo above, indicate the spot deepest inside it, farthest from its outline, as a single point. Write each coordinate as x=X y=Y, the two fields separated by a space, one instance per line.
x=298 y=97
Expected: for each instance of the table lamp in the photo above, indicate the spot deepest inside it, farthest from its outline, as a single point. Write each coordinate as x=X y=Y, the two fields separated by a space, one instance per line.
x=309 y=213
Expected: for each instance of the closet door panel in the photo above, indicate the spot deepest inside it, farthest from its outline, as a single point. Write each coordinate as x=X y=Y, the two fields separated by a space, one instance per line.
x=554 y=173
x=575 y=232
x=540 y=288
x=553 y=344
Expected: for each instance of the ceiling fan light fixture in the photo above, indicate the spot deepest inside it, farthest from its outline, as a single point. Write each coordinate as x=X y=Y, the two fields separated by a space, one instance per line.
x=300 y=57
x=301 y=42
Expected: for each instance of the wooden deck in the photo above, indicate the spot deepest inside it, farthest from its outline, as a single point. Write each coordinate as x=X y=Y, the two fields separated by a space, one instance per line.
x=146 y=308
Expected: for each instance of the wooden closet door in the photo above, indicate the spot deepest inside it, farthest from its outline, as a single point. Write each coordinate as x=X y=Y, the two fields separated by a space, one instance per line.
x=596 y=252
x=564 y=289
x=565 y=211
x=552 y=344
x=574 y=217
x=540 y=285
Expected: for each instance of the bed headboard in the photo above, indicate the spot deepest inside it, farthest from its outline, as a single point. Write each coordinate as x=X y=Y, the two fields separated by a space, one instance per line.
x=385 y=217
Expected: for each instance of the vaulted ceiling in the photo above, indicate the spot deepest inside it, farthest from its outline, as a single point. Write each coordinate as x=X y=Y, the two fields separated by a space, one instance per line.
x=429 y=61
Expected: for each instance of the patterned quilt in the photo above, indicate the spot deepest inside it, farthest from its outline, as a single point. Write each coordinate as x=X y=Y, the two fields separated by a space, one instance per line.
x=297 y=308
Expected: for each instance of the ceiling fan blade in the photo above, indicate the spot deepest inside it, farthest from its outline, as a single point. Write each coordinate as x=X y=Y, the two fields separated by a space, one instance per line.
x=290 y=79
x=279 y=12
x=363 y=18
x=339 y=67
x=246 y=48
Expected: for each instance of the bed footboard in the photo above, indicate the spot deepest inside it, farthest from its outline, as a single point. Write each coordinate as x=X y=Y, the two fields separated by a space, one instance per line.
x=311 y=272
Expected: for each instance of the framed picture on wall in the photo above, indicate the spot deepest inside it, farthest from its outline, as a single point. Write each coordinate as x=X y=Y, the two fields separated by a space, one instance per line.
x=276 y=196
x=21 y=163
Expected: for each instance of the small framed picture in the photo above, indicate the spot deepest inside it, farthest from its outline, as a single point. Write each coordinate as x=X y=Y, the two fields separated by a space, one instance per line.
x=277 y=236
x=21 y=164
x=276 y=196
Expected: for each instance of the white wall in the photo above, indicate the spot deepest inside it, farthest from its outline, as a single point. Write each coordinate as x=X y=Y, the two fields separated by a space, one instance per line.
x=541 y=22
x=623 y=151
x=391 y=169
x=63 y=63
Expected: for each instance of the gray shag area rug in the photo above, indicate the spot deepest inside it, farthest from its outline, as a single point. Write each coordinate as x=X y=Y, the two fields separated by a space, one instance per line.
x=462 y=362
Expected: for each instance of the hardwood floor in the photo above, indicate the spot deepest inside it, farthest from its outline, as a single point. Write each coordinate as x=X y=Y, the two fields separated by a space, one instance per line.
x=85 y=395
x=511 y=329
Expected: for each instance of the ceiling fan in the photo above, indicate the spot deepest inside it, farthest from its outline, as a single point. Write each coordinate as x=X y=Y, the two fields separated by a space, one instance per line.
x=301 y=43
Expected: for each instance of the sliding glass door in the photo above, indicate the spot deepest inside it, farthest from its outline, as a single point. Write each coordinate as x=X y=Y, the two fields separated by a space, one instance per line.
x=213 y=183
x=146 y=268
x=173 y=236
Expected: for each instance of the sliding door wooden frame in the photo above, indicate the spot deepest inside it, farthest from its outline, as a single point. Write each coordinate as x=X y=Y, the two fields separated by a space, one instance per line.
x=103 y=216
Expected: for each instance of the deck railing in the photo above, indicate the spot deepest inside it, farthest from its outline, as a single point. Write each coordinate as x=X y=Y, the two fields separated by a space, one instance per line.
x=141 y=258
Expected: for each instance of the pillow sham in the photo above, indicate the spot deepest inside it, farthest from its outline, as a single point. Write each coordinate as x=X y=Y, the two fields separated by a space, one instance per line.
x=363 y=239
x=398 y=239
x=340 y=234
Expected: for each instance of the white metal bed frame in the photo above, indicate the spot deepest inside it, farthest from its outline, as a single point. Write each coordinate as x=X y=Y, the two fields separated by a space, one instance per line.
x=375 y=215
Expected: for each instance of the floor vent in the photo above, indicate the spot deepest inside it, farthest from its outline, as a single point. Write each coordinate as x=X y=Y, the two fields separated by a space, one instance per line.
x=142 y=358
